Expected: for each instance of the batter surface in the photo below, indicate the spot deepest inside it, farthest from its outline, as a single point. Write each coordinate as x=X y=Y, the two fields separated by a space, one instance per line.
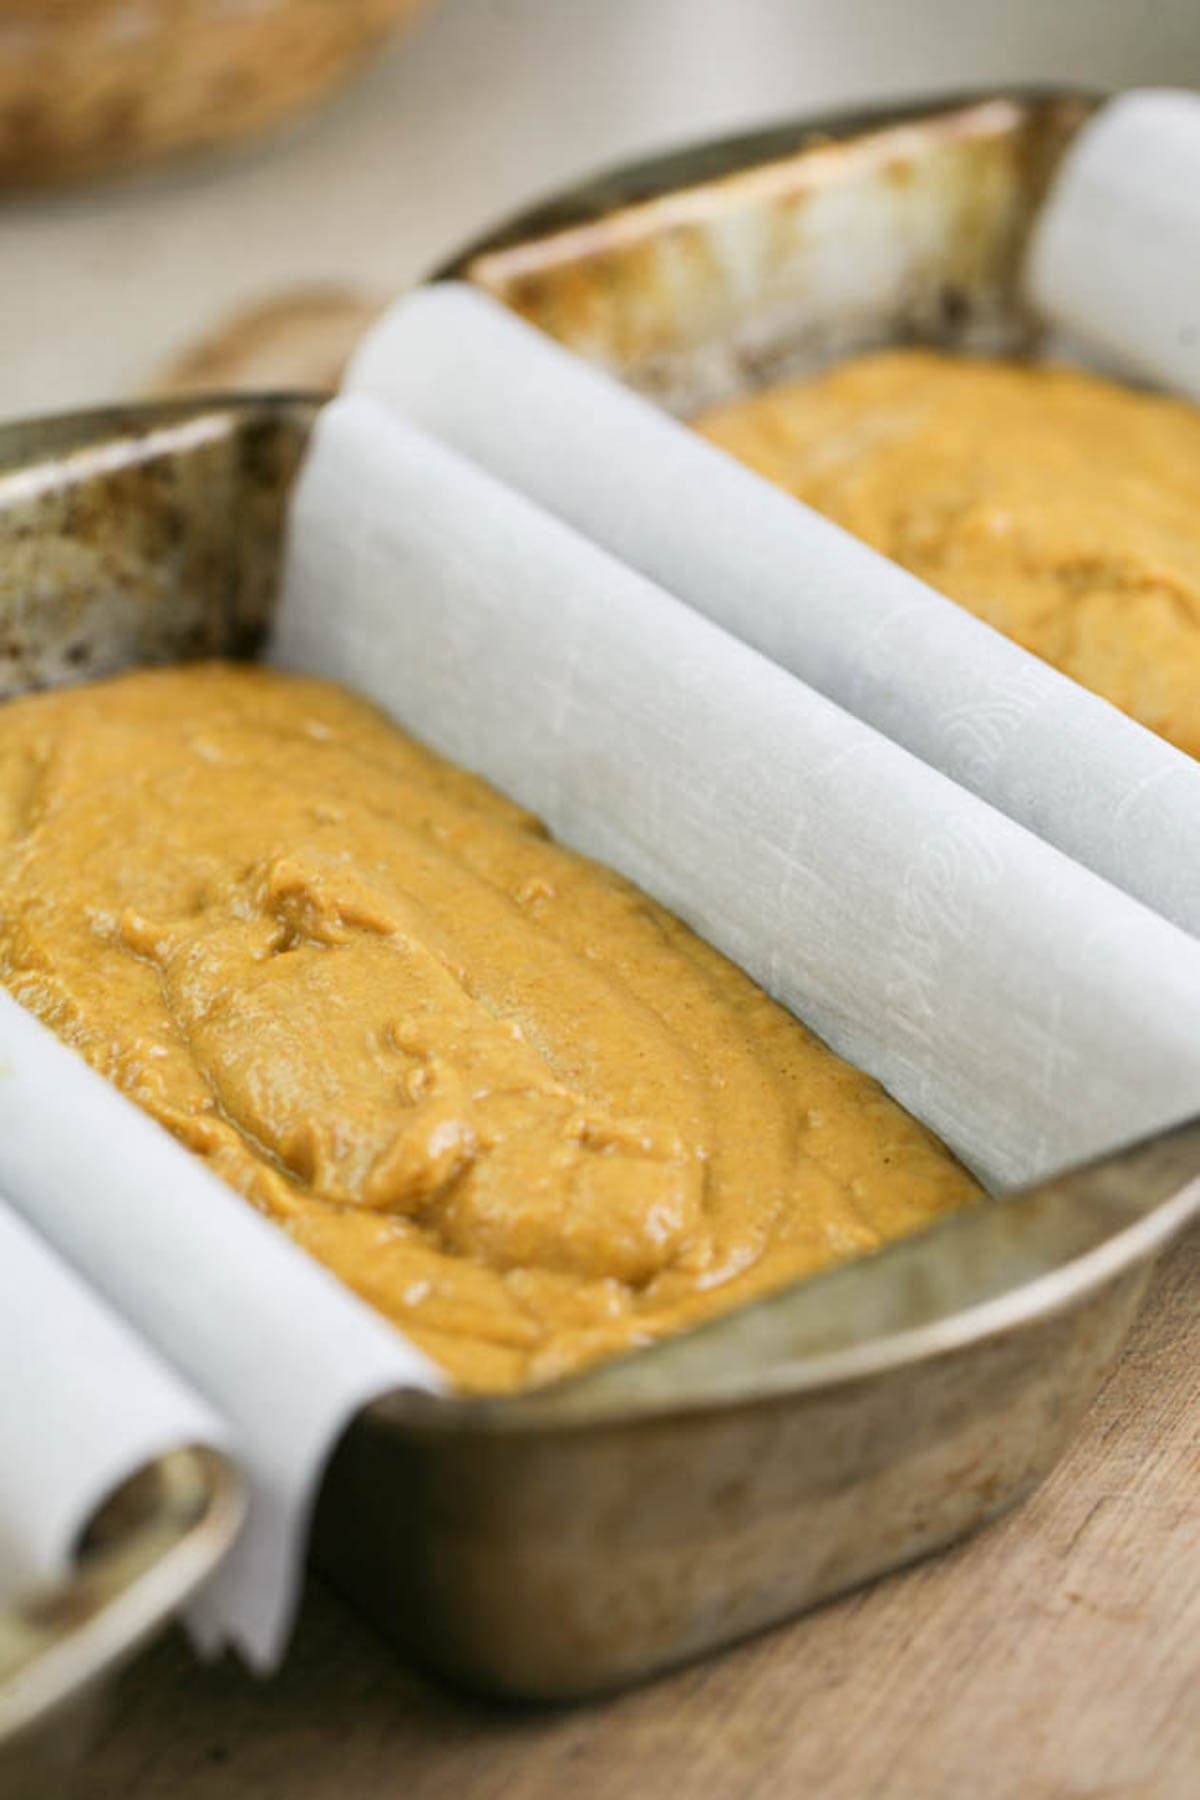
x=516 y=1105
x=1060 y=507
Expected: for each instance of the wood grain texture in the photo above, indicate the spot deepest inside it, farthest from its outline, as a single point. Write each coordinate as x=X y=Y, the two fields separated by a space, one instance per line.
x=1056 y=1656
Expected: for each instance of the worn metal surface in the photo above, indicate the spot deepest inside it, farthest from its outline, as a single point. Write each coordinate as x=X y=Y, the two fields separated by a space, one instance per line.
x=697 y=274
x=568 y=1540
x=141 y=535
x=146 y=1551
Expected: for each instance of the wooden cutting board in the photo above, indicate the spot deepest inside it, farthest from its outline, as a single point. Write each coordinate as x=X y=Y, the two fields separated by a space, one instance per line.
x=1055 y=1656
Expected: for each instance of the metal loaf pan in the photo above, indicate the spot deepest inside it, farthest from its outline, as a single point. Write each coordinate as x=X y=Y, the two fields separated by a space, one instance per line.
x=566 y=1541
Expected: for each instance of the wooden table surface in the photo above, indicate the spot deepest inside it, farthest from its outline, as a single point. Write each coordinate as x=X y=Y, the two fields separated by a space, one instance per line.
x=1055 y=1656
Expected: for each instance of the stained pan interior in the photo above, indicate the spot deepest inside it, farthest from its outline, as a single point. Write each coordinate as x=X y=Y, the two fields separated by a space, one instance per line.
x=699 y=275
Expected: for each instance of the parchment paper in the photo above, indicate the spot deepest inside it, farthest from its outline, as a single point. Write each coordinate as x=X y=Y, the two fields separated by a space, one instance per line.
x=281 y=1351
x=852 y=624
x=1114 y=260
x=1028 y=1010
x=84 y=1404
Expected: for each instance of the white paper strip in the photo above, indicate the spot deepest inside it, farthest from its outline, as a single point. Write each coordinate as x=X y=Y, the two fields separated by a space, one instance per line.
x=1115 y=258
x=84 y=1405
x=1029 y=1011
x=280 y=1350
x=847 y=621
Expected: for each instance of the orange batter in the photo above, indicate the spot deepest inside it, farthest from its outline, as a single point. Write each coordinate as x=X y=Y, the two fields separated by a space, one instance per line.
x=520 y=1108
x=1062 y=508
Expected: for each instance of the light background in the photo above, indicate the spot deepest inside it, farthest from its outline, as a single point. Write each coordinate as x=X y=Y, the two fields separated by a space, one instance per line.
x=487 y=105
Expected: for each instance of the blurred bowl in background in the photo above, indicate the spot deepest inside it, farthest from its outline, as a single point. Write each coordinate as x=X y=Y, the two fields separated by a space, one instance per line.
x=298 y=340
x=88 y=87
